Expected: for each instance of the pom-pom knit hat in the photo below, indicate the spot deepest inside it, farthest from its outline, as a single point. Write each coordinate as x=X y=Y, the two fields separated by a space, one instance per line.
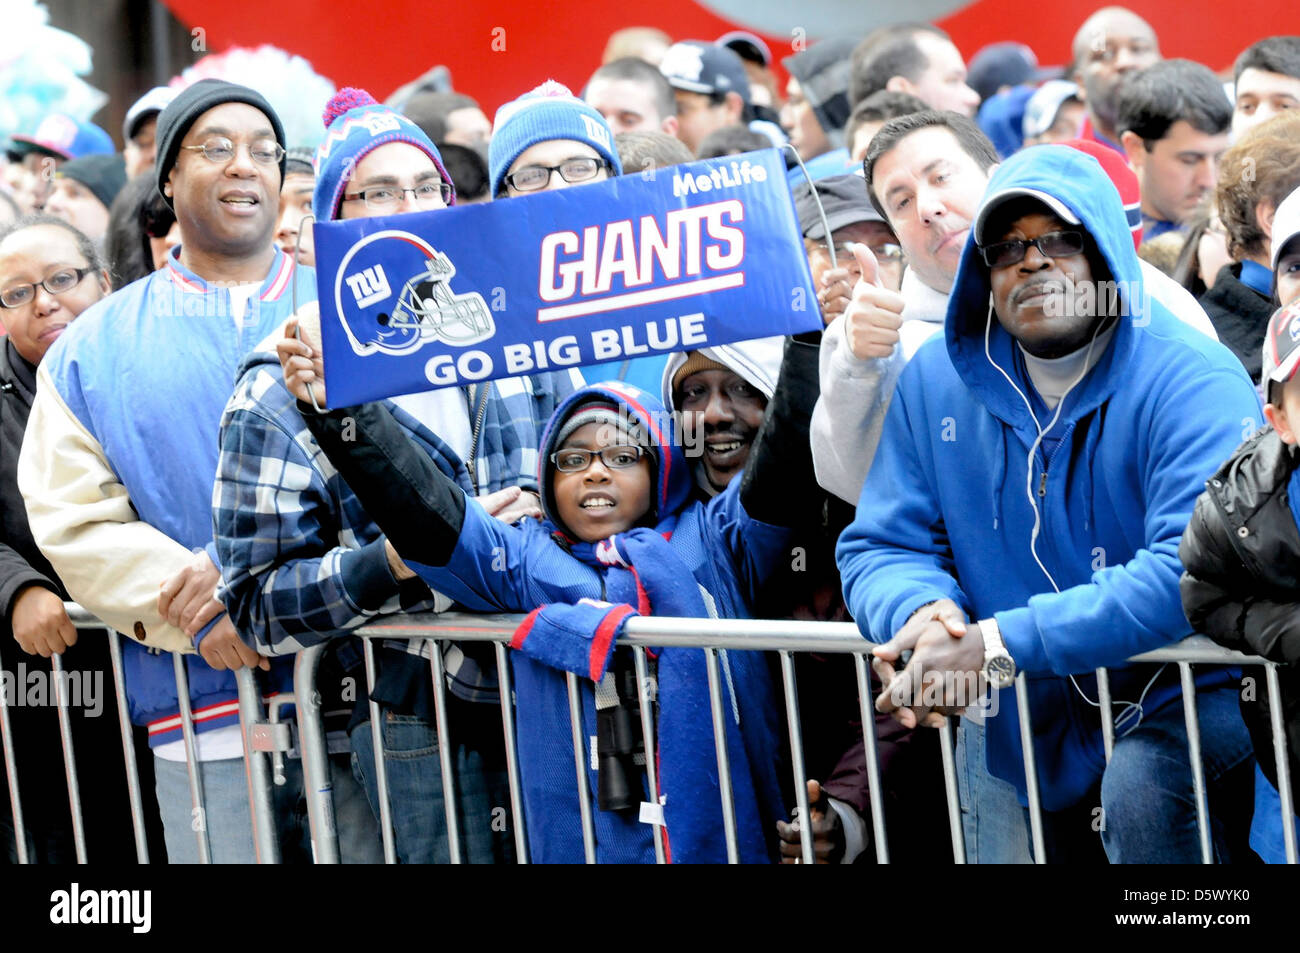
x=548 y=112
x=356 y=125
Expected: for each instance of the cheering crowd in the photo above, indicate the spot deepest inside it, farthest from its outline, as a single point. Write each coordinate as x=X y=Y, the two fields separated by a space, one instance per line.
x=1047 y=424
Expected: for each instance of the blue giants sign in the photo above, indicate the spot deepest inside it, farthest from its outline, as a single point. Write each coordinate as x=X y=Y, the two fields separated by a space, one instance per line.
x=694 y=255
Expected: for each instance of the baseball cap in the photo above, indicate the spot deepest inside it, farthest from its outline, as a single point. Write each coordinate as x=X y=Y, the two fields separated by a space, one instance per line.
x=1045 y=104
x=844 y=198
x=747 y=46
x=823 y=74
x=1286 y=224
x=65 y=137
x=150 y=104
x=1282 y=344
x=700 y=67
x=994 y=201
x=1003 y=64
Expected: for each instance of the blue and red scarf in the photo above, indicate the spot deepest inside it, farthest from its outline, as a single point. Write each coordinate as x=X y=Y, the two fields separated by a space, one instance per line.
x=643 y=574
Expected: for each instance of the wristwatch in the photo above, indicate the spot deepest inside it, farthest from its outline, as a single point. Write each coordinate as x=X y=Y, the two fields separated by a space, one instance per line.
x=999 y=666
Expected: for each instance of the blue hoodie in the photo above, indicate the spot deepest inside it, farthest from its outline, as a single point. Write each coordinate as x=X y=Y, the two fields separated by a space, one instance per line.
x=945 y=511
x=723 y=556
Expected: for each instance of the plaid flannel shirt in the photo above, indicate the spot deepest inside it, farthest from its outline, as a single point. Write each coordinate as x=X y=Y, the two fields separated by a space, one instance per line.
x=301 y=561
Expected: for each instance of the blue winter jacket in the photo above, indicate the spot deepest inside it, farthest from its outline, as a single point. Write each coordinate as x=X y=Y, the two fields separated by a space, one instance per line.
x=499 y=568
x=146 y=374
x=945 y=511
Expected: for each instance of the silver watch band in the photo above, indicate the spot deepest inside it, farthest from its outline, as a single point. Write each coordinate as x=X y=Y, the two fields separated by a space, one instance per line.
x=993 y=643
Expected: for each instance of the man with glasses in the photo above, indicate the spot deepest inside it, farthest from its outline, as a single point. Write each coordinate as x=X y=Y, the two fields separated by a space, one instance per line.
x=299 y=560
x=926 y=173
x=852 y=219
x=117 y=467
x=1038 y=465
x=549 y=139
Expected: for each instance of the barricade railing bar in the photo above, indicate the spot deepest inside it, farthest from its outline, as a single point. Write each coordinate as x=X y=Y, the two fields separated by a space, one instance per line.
x=716 y=636
x=266 y=737
x=257 y=731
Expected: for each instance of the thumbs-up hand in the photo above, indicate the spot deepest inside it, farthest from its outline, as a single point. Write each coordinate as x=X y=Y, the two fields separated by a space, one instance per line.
x=874 y=313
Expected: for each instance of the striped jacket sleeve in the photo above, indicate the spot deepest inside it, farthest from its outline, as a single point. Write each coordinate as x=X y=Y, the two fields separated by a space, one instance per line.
x=295 y=572
x=81 y=517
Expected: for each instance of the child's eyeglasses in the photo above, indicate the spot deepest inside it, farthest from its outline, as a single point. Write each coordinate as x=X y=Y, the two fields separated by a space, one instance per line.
x=616 y=458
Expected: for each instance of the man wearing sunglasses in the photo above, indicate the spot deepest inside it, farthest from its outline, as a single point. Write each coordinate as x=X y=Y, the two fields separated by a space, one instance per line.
x=1022 y=515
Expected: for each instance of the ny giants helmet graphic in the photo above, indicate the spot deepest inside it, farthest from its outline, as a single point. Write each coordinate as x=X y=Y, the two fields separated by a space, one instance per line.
x=424 y=309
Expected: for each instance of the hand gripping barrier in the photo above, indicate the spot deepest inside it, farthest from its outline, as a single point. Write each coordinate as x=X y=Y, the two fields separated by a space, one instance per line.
x=266 y=740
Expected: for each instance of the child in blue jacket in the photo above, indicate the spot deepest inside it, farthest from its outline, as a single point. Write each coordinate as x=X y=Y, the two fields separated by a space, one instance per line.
x=620 y=537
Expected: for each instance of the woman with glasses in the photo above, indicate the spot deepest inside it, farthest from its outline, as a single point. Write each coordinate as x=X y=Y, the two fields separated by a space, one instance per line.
x=49 y=273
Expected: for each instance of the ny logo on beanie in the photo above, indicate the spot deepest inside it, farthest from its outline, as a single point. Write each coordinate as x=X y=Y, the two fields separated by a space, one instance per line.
x=596 y=130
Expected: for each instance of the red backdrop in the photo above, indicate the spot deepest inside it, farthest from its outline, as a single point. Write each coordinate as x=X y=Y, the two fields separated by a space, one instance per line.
x=402 y=38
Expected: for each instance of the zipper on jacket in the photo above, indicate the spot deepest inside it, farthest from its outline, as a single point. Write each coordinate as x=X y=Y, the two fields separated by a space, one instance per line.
x=1047 y=462
x=472 y=462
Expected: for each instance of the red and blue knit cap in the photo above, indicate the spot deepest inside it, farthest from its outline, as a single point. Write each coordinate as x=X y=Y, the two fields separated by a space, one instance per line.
x=355 y=126
x=546 y=113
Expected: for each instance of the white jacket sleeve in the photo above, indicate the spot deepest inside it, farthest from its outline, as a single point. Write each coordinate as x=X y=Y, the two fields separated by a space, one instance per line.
x=850 y=412
x=82 y=519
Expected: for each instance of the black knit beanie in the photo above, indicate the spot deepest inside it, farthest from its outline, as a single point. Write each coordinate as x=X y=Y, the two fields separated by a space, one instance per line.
x=104 y=175
x=193 y=102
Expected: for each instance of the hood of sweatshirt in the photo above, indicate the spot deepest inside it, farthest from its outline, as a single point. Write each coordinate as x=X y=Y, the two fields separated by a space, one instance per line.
x=757 y=361
x=983 y=353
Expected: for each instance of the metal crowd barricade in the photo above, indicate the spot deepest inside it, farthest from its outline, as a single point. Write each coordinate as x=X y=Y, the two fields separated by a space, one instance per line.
x=265 y=738
x=783 y=637
x=260 y=739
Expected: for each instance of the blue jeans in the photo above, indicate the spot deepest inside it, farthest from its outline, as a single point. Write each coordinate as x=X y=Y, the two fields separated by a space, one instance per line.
x=991 y=815
x=415 y=785
x=1266 y=828
x=1148 y=803
x=229 y=821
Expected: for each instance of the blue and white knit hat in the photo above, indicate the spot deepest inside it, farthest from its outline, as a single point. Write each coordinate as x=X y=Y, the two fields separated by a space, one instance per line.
x=356 y=125
x=548 y=112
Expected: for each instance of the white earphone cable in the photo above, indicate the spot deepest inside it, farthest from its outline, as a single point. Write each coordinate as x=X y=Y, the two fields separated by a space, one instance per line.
x=1131 y=708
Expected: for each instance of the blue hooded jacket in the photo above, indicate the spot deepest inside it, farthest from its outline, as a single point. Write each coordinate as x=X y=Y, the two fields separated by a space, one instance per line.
x=728 y=555
x=946 y=509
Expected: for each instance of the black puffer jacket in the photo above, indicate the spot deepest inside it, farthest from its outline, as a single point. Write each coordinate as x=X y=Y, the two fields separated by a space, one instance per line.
x=1240 y=315
x=1241 y=587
